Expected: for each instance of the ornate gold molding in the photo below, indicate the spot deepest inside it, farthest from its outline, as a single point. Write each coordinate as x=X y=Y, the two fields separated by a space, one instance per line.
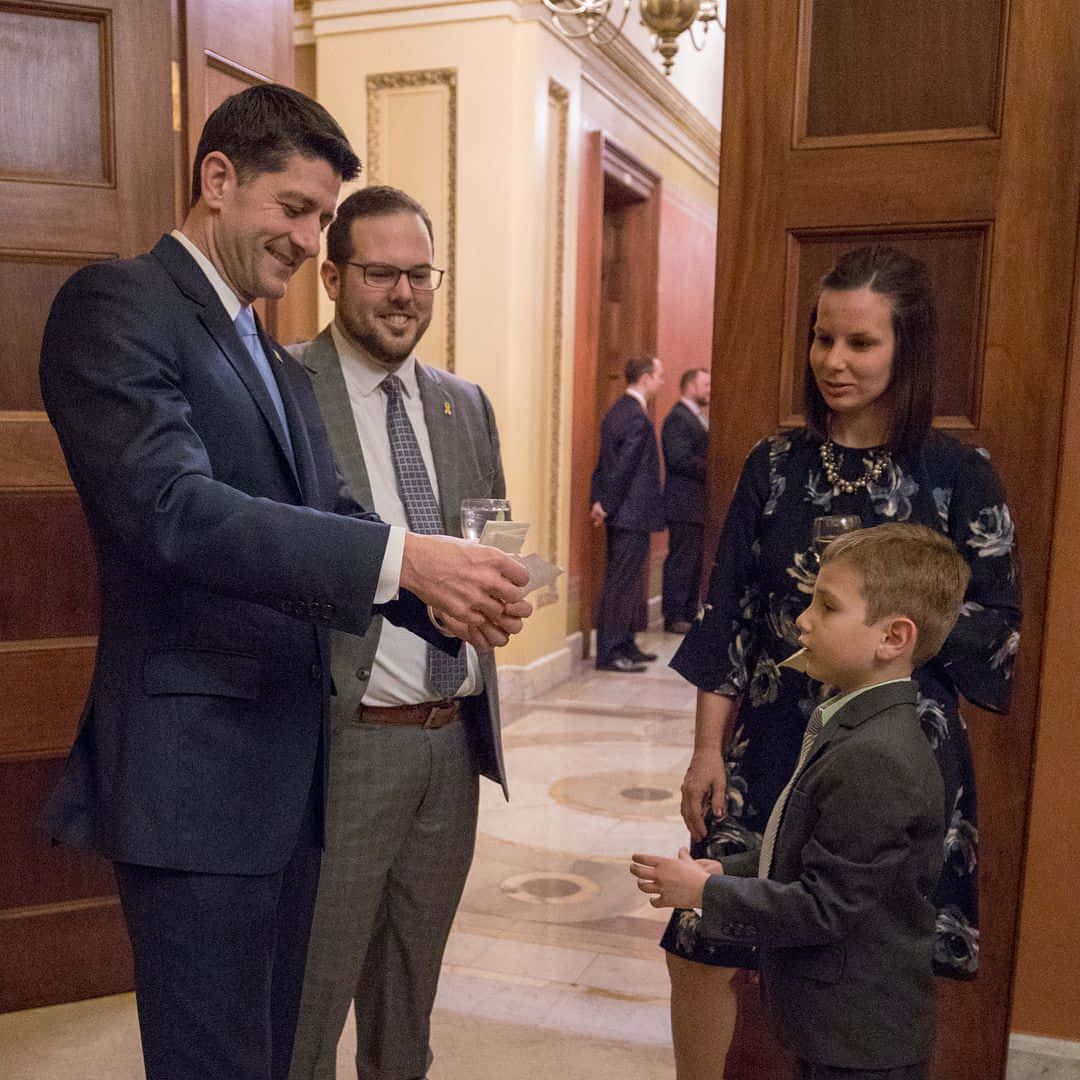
x=406 y=80
x=559 y=98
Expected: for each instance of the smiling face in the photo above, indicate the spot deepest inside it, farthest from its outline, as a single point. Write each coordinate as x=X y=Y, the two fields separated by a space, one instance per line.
x=841 y=648
x=851 y=358
x=265 y=227
x=387 y=324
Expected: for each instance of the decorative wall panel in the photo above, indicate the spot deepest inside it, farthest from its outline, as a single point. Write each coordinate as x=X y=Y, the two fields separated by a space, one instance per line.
x=558 y=121
x=922 y=70
x=957 y=258
x=28 y=282
x=400 y=104
x=55 y=80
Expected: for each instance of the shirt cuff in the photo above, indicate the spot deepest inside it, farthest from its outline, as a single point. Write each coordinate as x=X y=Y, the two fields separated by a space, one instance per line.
x=390 y=572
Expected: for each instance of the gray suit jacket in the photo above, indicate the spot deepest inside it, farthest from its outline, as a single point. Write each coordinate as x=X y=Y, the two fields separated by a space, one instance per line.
x=845 y=921
x=465 y=447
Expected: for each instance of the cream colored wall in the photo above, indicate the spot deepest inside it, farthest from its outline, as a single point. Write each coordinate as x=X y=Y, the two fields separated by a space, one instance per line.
x=522 y=103
x=501 y=245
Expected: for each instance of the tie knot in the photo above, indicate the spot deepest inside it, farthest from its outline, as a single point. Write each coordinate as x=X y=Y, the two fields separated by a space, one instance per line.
x=245 y=323
x=392 y=385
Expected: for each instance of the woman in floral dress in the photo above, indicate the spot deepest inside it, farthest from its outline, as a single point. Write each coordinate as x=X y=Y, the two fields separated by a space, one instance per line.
x=867 y=450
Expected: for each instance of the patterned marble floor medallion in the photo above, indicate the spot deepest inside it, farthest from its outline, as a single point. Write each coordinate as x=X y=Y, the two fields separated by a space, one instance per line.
x=549 y=887
x=621 y=793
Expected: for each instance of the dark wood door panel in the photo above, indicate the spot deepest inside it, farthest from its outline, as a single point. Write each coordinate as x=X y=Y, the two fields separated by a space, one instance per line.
x=777 y=190
x=85 y=173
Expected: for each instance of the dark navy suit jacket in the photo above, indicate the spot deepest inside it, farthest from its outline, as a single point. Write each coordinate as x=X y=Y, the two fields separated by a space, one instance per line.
x=845 y=921
x=626 y=480
x=223 y=562
x=686 y=450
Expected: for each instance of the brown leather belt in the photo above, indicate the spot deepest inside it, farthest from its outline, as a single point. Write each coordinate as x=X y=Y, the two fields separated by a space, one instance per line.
x=429 y=714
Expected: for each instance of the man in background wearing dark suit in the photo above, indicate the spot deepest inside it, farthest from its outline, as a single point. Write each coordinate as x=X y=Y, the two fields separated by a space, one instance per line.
x=408 y=742
x=685 y=438
x=627 y=499
x=227 y=547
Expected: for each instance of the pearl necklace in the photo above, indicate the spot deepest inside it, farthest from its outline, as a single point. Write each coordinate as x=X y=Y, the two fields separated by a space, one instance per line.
x=878 y=463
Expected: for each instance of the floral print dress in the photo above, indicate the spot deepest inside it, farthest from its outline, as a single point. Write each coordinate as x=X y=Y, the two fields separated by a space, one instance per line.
x=764 y=574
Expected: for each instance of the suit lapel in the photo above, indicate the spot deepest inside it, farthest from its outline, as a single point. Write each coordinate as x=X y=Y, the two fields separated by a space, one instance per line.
x=445 y=437
x=192 y=281
x=322 y=360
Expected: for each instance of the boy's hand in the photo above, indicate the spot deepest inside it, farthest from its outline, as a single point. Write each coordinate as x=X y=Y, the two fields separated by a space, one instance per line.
x=676 y=882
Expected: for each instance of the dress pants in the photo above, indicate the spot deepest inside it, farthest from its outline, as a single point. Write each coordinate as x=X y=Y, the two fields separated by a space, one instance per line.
x=219 y=963
x=682 y=570
x=400 y=833
x=622 y=609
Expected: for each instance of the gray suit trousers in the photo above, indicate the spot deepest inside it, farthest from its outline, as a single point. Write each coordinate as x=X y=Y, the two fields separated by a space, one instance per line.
x=400 y=833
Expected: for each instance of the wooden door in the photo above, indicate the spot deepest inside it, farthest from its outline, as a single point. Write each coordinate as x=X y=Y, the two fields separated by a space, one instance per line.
x=950 y=129
x=85 y=174
x=618 y=257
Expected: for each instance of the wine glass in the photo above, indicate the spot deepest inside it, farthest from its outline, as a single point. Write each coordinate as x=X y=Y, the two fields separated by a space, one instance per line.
x=831 y=526
x=475 y=513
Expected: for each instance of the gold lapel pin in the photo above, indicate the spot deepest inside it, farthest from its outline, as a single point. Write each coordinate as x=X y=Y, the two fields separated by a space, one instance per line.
x=446 y=408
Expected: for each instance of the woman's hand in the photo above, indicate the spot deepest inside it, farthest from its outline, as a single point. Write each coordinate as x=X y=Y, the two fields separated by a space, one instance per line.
x=704 y=787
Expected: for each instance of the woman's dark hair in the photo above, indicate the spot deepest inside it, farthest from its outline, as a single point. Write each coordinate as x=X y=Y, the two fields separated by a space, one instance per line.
x=260 y=128
x=904 y=281
x=379 y=200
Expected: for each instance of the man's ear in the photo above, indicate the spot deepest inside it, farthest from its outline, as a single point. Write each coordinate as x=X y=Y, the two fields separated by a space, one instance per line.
x=216 y=176
x=898 y=636
x=331 y=278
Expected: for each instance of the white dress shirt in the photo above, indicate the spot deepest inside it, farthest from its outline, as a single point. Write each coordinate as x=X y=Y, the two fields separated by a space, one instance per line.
x=399 y=671
x=386 y=588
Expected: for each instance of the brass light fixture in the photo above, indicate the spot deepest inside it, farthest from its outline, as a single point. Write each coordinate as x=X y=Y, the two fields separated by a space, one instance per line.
x=667 y=19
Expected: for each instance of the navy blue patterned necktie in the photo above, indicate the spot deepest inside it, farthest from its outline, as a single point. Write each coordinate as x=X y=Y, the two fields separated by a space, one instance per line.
x=445 y=673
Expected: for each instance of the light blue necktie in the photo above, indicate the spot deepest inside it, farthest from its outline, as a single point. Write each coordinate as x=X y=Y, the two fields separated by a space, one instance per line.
x=245 y=327
x=445 y=673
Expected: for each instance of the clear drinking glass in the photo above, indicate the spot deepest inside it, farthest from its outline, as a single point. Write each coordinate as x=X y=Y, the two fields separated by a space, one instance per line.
x=831 y=526
x=475 y=513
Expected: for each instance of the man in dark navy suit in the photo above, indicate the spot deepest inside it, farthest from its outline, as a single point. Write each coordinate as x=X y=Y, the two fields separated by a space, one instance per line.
x=627 y=499
x=227 y=546
x=685 y=438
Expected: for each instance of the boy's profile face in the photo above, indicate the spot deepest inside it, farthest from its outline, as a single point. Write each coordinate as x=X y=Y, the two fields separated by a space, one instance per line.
x=841 y=649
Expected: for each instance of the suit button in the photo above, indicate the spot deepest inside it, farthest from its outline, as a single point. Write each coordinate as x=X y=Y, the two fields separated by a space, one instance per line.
x=363 y=674
x=316 y=673
x=288 y=607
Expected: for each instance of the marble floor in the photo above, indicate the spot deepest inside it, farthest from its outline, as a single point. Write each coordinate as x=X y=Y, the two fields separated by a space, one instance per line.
x=554 y=953
x=553 y=967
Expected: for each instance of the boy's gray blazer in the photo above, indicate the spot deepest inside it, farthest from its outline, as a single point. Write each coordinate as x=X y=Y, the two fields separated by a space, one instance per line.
x=465 y=448
x=845 y=922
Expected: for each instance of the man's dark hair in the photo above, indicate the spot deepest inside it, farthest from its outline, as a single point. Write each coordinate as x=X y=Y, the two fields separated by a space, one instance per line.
x=904 y=282
x=378 y=200
x=637 y=366
x=260 y=128
x=687 y=377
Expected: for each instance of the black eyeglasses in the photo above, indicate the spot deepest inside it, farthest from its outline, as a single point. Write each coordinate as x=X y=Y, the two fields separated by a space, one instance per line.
x=384 y=276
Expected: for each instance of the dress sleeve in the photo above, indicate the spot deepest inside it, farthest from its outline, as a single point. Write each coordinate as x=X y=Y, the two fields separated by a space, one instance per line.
x=719 y=651
x=978 y=655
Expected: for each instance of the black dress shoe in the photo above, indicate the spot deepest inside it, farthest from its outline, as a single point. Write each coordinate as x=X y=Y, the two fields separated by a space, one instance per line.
x=640 y=657
x=621 y=663
x=677 y=626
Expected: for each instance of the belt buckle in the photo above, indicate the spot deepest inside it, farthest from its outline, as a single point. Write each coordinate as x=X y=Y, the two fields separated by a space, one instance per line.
x=434 y=711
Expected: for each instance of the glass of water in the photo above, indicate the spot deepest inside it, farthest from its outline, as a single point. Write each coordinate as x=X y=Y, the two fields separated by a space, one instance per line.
x=831 y=526
x=475 y=513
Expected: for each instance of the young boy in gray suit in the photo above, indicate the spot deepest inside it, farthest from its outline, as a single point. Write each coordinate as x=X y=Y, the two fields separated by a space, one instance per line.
x=839 y=897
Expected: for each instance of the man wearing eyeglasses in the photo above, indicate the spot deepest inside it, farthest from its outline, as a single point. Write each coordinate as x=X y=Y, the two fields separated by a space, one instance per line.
x=408 y=741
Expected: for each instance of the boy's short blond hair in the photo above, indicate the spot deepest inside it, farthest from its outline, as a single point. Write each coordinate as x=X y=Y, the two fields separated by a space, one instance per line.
x=907 y=570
